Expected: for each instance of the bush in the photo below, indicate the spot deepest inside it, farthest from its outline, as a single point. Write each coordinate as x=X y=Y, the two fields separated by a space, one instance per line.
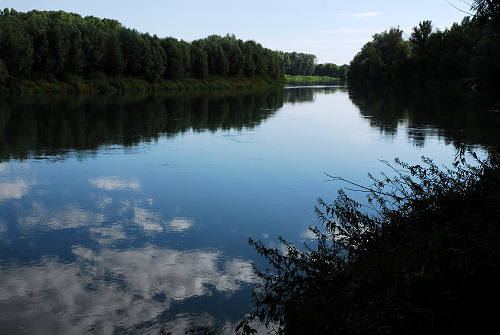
x=423 y=258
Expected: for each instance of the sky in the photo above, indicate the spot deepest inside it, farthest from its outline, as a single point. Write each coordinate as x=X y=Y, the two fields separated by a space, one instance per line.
x=333 y=30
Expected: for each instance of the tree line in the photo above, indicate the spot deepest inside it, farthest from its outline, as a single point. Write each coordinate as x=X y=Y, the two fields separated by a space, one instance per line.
x=302 y=64
x=470 y=49
x=331 y=70
x=52 y=44
x=299 y=64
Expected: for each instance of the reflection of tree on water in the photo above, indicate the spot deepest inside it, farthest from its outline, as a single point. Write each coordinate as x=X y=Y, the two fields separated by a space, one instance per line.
x=52 y=125
x=55 y=125
x=307 y=94
x=456 y=118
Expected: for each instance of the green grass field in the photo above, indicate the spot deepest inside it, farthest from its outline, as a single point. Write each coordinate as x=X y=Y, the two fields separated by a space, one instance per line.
x=311 y=80
x=124 y=84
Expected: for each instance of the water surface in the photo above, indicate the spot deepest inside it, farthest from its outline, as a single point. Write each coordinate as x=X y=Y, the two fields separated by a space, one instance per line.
x=129 y=215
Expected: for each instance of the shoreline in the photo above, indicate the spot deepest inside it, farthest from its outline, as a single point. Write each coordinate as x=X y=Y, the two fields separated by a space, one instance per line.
x=311 y=80
x=127 y=84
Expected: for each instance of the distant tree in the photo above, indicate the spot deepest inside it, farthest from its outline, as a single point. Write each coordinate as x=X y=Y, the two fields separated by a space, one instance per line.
x=419 y=38
x=299 y=63
x=199 y=62
x=76 y=62
x=16 y=45
x=249 y=62
x=343 y=71
x=385 y=58
x=132 y=50
x=234 y=54
x=113 y=58
x=175 y=64
x=331 y=70
x=218 y=63
x=154 y=59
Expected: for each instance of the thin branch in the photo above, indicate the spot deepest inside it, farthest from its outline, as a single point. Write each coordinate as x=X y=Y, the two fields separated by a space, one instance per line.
x=463 y=11
x=363 y=188
x=469 y=4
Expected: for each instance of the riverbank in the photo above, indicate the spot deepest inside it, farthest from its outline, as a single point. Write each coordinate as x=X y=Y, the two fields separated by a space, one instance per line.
x=311 y=80
x=126 y=84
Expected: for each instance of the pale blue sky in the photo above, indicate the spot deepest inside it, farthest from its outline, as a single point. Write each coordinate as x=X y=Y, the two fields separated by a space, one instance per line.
x=332 y=30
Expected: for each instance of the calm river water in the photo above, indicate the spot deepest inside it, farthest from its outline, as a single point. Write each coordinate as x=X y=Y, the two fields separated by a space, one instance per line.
x=129 y=215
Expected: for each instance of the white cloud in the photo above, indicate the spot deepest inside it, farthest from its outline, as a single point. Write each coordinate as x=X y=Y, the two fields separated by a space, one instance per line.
x=13 y=190
x=114 y=183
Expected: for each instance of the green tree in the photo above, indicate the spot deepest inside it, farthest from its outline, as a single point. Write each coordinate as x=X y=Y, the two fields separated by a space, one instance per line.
x=175 y=66
x=383 y=59
x=419 y=38
x=487 y=11
x=133 y=50
x=154 y=58
x=113 y=59
x=199 y=65
x=16 y=45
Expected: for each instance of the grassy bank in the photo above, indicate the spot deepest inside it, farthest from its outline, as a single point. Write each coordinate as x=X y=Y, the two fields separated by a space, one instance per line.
x=311 y=80
x=124 y=84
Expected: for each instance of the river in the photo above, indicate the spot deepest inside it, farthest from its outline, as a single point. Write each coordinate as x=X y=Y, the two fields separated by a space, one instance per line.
x=131 y=214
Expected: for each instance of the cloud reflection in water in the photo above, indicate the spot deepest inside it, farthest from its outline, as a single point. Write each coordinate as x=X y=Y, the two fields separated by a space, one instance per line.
x=114 y=183
x=66 y=218
x=13 y=190
x=107 y=289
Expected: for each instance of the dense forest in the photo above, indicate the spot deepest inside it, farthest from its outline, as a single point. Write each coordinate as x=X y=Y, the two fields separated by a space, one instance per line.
x=51 y=45
x=331 y=70
x=469 y=51
x=299 y=64
x=302 y=64
x=59 y=46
